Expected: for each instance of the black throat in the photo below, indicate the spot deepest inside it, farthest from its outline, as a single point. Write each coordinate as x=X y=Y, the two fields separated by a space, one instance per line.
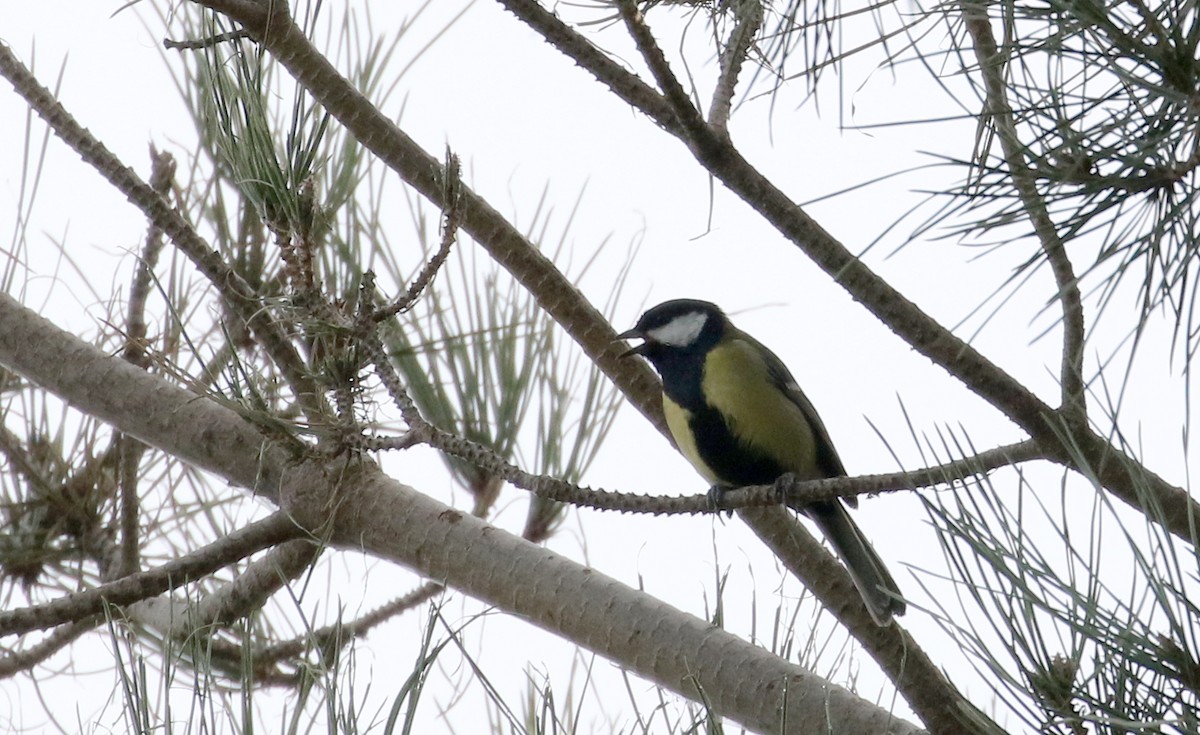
x=682 y=372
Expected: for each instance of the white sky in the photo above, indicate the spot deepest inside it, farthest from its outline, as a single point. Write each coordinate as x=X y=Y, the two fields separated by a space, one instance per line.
x=522 y=117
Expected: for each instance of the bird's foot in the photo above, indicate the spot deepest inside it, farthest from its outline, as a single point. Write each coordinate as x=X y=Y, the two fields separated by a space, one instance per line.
x=716 y=499
x=783 y=484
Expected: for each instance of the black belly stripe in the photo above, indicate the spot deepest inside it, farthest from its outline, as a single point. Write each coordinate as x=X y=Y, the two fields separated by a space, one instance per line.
x=733 y=462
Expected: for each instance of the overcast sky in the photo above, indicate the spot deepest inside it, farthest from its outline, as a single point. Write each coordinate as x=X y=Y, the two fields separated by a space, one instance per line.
x=526 y=120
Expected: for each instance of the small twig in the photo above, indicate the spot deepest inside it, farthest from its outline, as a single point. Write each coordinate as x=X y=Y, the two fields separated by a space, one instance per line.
x=162 y=179
x=451 y=217
x=129 y=456
x=243 y=595
x=689 y=118
x=810 y=491
x=749 y=14
x=204 y=43
x=273 y=661
x=347 y=632
x=130 y=450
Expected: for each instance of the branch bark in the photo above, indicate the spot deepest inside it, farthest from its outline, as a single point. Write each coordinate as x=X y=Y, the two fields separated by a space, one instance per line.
x=79 y=606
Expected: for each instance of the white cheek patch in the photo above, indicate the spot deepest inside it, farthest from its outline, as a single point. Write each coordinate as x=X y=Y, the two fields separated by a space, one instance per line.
x=680 y=331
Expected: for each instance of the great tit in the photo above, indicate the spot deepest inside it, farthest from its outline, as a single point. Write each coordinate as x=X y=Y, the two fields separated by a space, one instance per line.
x=738 y=416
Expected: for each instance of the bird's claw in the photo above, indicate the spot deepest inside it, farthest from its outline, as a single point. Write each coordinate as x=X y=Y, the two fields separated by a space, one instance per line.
x=783 y=484
x=716 y=499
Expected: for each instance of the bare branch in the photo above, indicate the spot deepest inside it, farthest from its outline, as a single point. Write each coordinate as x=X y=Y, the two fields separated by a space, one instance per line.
x=754 y=496
x=692 y=124
x=130 y=450
x=451 y=217
x=347 y=632
x=243 y=595
x=810 y=491
x=18 y=661
x=999 y=112
x=227 y=550
x=749 y=15
x=203 y=43
x=935 y=700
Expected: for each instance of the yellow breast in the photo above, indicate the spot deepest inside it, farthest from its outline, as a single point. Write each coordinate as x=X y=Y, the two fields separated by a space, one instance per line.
x=757 y=409
x=677 y=421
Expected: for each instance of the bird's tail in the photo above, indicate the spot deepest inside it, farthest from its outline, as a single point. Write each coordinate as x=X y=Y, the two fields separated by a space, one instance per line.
x=879 y=591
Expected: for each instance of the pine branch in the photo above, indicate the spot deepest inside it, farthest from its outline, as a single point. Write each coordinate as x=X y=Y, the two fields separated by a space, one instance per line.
x=221 y=553
x=20 y=661
x=237 y=599
x=999 y=112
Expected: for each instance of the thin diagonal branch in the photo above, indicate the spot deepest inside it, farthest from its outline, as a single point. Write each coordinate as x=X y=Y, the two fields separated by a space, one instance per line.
x=227 y=550
x=1000 y=113
x=129 y=450
x=690 y=120
x=240 y=597
x=347 y=631
x=941 y=707
x=749 y=14
x=19 y=661
x=450 y=220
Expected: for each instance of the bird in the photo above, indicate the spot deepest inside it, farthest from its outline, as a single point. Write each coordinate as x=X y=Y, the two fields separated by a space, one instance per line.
x=739 y=417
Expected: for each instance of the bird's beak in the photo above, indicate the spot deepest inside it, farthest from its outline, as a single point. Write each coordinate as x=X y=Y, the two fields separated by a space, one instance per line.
x=632 y=334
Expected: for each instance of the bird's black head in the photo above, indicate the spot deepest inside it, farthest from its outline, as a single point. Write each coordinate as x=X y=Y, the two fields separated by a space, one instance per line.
x=677 y=329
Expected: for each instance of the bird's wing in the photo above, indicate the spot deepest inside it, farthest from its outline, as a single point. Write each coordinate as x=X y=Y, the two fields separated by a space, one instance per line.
x=827 y=457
